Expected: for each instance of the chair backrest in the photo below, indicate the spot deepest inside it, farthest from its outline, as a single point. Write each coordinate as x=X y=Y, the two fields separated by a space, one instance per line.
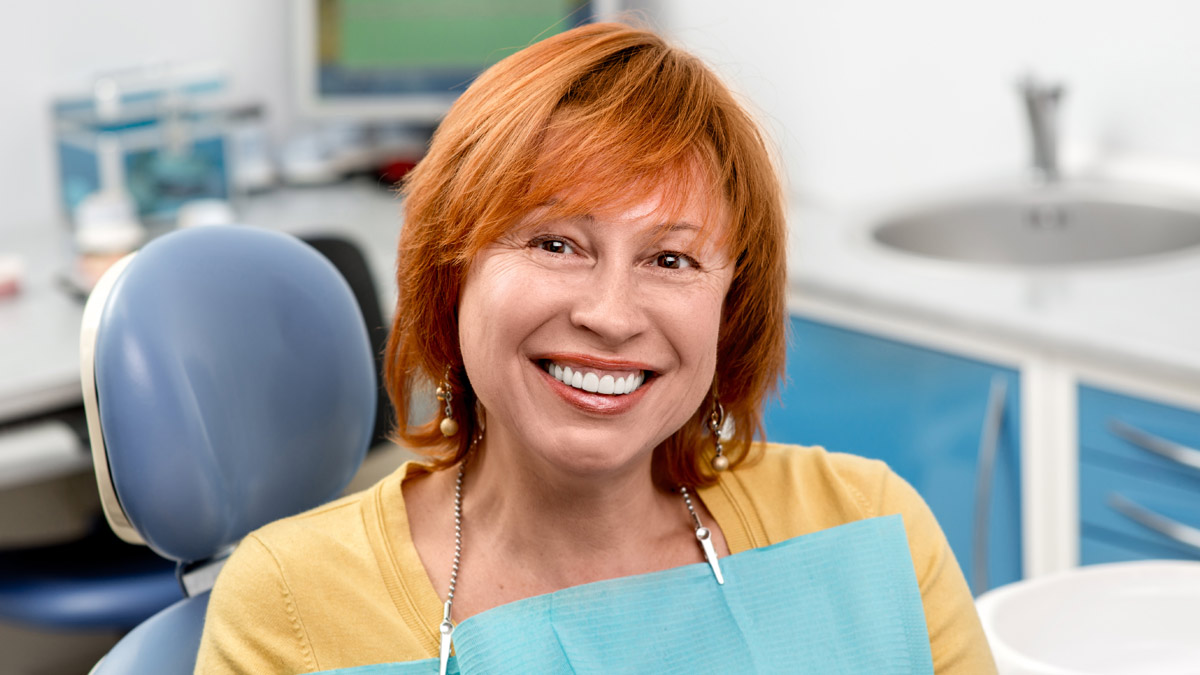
x=164 y=644
x=228 y=381
x=351 y=262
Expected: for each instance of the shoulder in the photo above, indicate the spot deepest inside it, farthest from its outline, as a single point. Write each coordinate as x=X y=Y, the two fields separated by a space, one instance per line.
x=793 y=490
x=788 y=491
x=822 y=488
x=335 y=524
x=338 y=546
x=834 y=488
x=285 y=585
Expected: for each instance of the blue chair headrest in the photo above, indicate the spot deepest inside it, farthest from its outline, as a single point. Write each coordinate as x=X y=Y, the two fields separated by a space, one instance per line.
x=233 y=385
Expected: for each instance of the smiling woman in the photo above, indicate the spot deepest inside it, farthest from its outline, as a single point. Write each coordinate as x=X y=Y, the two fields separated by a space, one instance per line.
x=592 y=271
x=596 y=122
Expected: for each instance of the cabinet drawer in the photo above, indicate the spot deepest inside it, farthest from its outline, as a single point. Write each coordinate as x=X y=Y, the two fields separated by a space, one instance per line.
x=925 y=413
x=1101 y=481
x=1098 y=546
x=1100 y=410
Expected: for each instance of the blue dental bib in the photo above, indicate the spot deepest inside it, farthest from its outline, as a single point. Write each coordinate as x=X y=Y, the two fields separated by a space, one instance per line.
x=843 y=600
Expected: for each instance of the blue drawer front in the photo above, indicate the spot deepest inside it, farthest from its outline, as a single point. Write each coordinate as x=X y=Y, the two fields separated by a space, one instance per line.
x=1179 y=500
x=1099 y=408
x=1099 y=546
x=921 y=411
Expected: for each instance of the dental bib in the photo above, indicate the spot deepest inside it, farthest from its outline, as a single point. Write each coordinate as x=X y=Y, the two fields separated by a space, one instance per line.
x=843 y=600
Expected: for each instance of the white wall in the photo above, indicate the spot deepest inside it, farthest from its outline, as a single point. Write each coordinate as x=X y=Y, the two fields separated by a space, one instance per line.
x=869 y=99
x=877 y=99
x=52 y=46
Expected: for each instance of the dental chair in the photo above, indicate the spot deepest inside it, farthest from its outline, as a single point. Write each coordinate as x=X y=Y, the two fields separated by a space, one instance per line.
x=228 y=381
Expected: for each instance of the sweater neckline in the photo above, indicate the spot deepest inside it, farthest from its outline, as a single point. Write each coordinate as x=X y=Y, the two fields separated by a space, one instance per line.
x=390 y=535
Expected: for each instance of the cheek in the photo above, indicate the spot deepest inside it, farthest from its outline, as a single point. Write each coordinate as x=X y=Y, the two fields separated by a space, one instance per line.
x=695 y=323
x=703 y=313
x=710 y=314
x=497 y=310
x=706 y=338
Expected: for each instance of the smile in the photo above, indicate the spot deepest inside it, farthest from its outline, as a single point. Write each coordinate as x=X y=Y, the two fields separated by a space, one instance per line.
x=595 y=381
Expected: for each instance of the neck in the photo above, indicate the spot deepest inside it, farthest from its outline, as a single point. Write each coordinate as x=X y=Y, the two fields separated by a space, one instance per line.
x=567 y=527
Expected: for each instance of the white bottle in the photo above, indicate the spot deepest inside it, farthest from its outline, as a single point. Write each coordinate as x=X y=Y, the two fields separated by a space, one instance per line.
x=106 y=222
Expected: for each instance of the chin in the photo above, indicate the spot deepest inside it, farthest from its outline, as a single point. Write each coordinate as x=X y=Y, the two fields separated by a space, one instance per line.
x=592 y=459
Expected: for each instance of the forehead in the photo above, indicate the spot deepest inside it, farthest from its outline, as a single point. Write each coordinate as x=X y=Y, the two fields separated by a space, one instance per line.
x=683 y=197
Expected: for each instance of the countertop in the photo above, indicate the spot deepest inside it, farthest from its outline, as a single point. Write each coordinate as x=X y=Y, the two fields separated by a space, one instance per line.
x=1141 y=315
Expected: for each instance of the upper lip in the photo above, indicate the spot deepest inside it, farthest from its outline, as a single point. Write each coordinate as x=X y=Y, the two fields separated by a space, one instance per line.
x=594 y=362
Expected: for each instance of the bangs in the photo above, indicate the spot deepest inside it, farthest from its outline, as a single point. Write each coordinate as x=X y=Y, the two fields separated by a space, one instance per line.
x=636 y=127
x=568 y=187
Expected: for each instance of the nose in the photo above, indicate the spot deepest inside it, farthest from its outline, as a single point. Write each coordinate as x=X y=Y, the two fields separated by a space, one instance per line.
x=609 y=305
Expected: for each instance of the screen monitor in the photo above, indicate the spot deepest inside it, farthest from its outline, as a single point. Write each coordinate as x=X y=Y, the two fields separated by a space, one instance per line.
x=407 y=60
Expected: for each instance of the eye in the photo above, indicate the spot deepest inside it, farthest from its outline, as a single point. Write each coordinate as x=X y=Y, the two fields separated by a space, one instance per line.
x=553 y=245
x=674 y=261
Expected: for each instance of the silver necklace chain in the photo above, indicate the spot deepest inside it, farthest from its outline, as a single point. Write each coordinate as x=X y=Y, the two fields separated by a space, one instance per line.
x=704 y=536
x=457 y=534
x=687 y=499
x=446 y=628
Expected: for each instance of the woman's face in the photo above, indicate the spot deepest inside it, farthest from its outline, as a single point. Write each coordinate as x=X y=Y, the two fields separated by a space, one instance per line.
x=590 y=340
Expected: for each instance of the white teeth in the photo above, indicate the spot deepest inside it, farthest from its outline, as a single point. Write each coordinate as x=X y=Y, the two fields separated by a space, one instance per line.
x=594 y=383
x=591 y=383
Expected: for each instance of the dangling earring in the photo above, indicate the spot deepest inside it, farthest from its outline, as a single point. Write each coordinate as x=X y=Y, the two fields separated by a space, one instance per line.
x=716 y=422
x=444 y=394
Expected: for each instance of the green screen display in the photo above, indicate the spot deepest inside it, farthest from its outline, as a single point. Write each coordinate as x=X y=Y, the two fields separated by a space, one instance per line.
x=374 y=34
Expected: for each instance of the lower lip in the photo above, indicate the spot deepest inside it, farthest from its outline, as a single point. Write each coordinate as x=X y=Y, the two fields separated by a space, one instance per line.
x=600 y=404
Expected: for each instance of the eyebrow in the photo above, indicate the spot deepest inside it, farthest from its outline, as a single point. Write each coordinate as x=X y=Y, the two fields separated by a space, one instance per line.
x=680 y=227
x=665 y=228
x=660 y=230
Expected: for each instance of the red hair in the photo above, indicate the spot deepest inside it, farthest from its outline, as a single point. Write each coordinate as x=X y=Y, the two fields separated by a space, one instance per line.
x=625 y=108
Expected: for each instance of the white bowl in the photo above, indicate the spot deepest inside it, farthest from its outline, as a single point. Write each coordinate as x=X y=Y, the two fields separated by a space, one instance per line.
x=1132 y=617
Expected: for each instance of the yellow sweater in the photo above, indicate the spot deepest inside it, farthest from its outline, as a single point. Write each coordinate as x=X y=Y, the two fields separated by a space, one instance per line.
x=342 y=585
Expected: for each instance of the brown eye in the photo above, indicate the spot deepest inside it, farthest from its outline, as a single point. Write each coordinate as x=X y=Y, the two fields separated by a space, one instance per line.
x=673 y=261
x=554 y=246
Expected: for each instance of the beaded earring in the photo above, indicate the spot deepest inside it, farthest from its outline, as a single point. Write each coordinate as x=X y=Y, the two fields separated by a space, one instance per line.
x=716 y=422
x=448 y=426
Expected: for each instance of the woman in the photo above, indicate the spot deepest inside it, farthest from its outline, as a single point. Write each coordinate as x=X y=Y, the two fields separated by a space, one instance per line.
x=592 y=269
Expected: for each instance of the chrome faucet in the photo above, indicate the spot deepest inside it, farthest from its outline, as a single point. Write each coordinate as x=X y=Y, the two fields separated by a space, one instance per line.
x=1041 y=104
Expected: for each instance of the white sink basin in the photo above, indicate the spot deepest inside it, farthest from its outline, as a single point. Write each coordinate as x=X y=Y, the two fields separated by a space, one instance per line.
x=1044 y=226
x=1135 y=618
